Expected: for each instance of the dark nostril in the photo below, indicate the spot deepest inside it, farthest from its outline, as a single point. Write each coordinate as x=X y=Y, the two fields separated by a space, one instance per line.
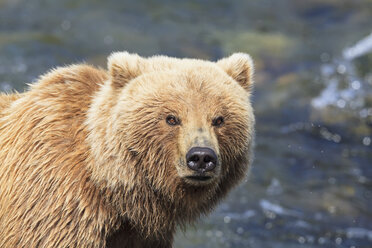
x=194 y=158
x=208 y=159
x=201 y=159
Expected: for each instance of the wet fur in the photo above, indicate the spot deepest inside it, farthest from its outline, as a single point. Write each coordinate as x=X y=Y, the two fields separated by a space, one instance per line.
x=87 y=162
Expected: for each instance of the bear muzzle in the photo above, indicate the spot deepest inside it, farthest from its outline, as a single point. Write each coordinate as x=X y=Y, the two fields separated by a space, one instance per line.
x=201 y=160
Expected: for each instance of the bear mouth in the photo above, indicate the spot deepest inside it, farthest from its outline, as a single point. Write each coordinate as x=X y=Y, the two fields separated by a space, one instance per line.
x=200 y=178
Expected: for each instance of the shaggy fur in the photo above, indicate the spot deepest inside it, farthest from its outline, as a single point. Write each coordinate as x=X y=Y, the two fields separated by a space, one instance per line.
x=88 y=160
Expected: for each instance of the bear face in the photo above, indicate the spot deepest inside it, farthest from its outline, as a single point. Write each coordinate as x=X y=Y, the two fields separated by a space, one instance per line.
x=172 y=112
x=181 y=128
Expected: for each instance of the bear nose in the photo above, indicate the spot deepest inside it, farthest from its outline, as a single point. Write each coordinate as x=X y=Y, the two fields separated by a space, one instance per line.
x=201 y=159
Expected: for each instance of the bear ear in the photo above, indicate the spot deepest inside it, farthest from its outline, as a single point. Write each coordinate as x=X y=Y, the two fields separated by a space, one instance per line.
x=124 y=67
x=240 y=67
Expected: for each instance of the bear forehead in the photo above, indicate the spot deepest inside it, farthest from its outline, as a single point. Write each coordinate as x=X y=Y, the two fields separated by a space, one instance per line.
x=186 y=93
x=188 y=80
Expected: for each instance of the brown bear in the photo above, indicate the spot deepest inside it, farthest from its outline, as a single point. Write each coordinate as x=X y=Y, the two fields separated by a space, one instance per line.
x=121 y=158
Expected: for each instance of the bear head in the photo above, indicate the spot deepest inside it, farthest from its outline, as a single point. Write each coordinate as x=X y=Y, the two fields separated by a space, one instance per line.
x=180 y=128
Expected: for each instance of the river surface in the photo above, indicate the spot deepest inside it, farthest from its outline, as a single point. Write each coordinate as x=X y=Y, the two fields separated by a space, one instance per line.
x=311 y=183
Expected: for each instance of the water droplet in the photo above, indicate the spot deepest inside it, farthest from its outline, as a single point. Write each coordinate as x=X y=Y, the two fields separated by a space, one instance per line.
x=355 y=85
x=332 y=209
x=341 y=69
x=269 y=225
x=301 y=240
x=275 y=187
x=366 y=141
x=219 y=234
x=362 y=179
x=336 y=138
x=321 y=240
x=270 y=215
x=341 y=103
x=240 y=230
x=338 y=240
x=209 y=233
x=331 y=180
x=227 y=219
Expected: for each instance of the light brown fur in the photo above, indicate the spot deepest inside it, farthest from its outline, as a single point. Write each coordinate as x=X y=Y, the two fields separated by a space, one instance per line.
x=87 y=159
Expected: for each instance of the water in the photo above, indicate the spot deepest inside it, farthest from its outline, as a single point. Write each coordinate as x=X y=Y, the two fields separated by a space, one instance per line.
x=344 y=87
x=311 y=184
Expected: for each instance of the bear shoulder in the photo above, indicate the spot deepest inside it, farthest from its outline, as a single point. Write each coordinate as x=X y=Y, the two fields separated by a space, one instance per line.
x=79 y=77
x=44 y=163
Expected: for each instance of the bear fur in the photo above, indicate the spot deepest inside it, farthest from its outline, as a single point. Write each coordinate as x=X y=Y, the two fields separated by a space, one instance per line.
x=89 y=160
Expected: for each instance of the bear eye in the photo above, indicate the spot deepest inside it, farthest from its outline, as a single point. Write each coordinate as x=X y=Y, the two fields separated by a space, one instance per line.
x=218 y=121
x=172 y=120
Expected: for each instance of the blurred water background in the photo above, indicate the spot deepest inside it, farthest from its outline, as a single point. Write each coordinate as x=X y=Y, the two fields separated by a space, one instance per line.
x=311 y=184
